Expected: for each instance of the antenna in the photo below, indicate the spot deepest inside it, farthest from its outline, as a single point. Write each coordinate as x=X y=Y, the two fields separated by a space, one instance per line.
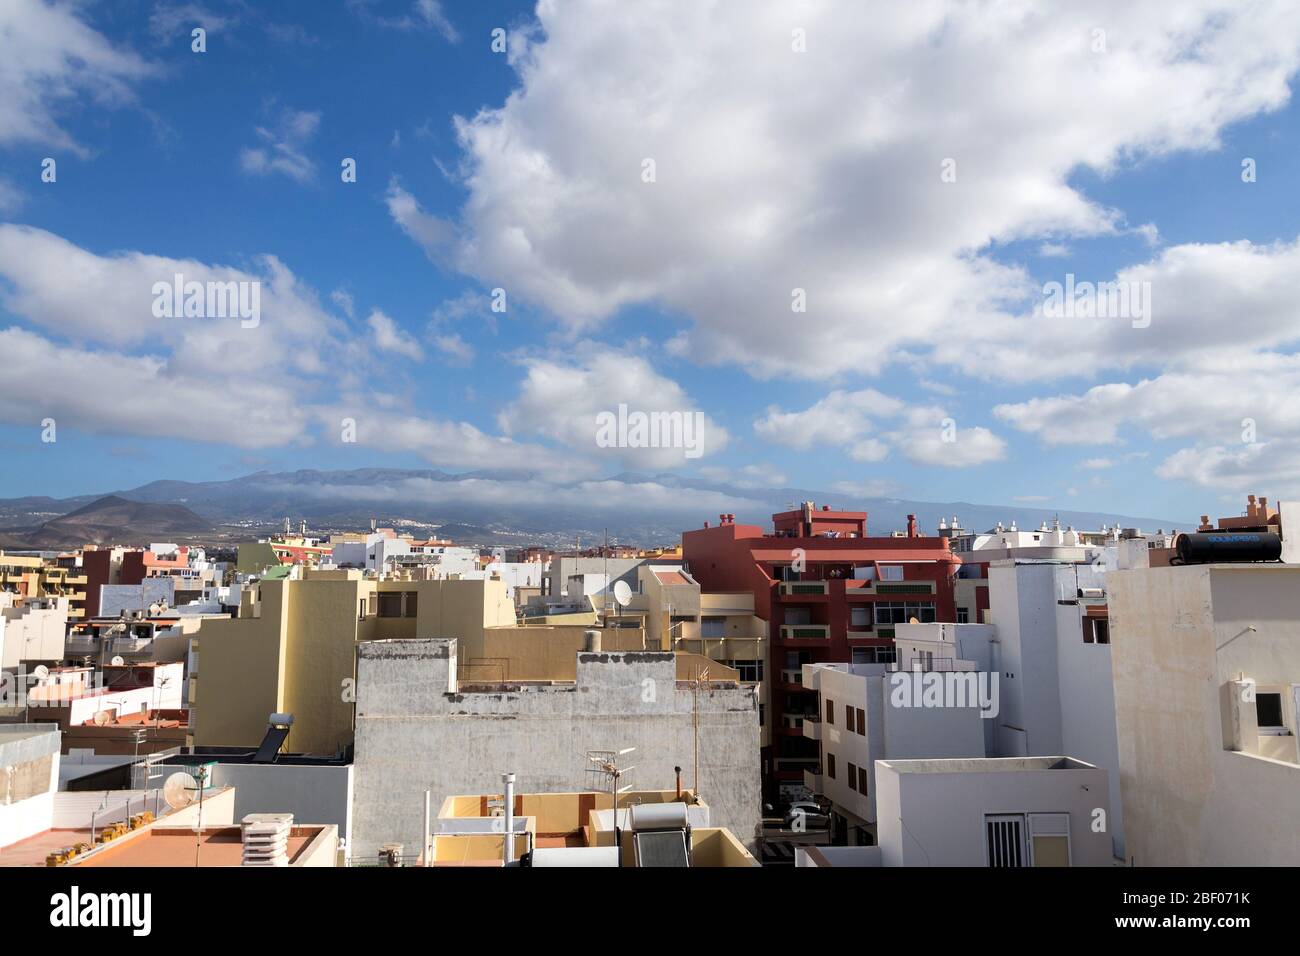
x=605 y=768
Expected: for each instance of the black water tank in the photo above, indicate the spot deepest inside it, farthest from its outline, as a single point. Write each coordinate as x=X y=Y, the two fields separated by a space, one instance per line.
x=1208 y=547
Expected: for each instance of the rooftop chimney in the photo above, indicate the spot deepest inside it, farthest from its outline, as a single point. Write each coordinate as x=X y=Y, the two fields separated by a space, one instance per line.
x=509 y=852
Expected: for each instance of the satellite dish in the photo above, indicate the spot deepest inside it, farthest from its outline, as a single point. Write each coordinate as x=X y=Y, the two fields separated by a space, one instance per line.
x=117 y=660
x=913 y=621
x=40 y=672
x=102 y=717
x=179 y=790
x=622 y=593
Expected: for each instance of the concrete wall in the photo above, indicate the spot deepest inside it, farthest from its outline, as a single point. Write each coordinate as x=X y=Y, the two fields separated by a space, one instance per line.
x=937 y=818
x=31 y=633
x=1022 y=605
x=29 y=778
x=415 y=732
x=1182 y=637
x=313 y=794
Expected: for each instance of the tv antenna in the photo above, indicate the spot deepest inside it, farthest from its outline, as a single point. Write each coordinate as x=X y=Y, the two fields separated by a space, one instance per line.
x=604 y=766
x=178 y=791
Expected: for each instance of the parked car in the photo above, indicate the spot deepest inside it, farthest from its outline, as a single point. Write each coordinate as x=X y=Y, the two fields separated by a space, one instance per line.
x=812 y=814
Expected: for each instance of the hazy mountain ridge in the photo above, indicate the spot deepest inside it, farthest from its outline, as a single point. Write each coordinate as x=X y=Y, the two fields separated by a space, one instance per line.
x=497 y=507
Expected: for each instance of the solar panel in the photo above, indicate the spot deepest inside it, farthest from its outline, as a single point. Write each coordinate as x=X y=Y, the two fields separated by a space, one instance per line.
x=662 y=848
x=271 y=744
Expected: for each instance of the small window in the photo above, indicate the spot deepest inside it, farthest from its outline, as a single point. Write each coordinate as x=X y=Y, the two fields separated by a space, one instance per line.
x=1101 y=630
x=890 y=572
x=862 y=781
x=1268 y=712
x=713 y=627
x=830 y=711
x=963 y=615
x=853 y=777
x=862 y=721
x=361 y=610
x=830 y=766
x=390 y=604
x=412 y=603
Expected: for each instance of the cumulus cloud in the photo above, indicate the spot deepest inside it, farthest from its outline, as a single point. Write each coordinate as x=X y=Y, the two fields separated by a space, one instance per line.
x=50 y=59
x=563 y=399
x=869 y=425
x=778 y=170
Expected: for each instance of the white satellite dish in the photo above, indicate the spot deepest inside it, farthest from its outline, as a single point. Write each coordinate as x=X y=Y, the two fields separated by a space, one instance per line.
x=40 y=672
x=179 y=790
x=102 y=717
x=118 y=660
x=622 y=593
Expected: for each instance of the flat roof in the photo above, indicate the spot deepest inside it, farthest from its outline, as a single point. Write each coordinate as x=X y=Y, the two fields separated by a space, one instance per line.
x=215 y=846
x=986 y=764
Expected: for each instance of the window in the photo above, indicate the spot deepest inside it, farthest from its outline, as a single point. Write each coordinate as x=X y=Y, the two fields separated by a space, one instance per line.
x=853 y=777
x=862 y=781
x=750 y=671
x=1004 y=840
x=361 y=610
x=862 y=722
x=390 y=604
x=1048 y=839
x=963 y=615
x=901 y=612
x=860 y=617
x=762 y=715
x=848 y=718
x=830 y=766
x=890 y=572
x=1096 y=630
x=830 y=711
x=1268 y=712
x=412 y=602
x=713 y=627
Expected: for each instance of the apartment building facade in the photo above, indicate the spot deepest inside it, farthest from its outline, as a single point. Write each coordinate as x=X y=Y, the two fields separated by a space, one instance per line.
x=828 y=593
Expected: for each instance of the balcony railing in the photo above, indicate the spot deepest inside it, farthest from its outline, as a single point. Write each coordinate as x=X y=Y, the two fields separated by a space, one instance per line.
x=805 y=632
x=812 y=727
x=812 y=779
x=804 y=587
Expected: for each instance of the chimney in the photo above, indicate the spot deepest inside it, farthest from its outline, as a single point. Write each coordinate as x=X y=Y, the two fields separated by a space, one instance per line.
x=911 y=526
x=678 y=771
x=509 y=853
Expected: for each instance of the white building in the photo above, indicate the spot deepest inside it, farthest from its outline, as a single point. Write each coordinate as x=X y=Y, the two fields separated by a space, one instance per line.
x=29 y=778
x=31 y=630
x=866 y=715
x=1005 y=812
x=1207 y=689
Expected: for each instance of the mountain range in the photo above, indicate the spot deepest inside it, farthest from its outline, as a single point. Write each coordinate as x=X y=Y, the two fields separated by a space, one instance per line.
x=488 y=508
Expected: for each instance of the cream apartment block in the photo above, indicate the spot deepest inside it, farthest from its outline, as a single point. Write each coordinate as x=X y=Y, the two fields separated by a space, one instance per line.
x=1207 y=686
x=292 y=649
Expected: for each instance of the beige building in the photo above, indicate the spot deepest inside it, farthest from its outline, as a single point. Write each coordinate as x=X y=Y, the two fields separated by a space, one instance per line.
x=292 y=649
x=1206 y=664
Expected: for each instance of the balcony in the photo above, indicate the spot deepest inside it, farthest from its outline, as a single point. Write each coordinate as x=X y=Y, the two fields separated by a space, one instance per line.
x=805 y=632
x=804 y=588
x=793 y=678
x=795 y=720
x=812 y=779
x=812 y=726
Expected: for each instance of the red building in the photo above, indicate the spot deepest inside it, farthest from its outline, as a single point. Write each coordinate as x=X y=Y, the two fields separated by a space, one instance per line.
x=829 y=593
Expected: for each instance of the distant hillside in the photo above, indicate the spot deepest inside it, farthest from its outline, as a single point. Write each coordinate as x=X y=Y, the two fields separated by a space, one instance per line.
x=111 y=520
x=488 y=508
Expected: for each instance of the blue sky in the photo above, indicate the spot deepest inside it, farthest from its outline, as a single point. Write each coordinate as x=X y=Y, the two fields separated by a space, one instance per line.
x=478 y=170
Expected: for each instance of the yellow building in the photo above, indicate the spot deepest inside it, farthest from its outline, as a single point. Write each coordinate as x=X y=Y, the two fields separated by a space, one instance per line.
x=292 y=650
x=30 y=576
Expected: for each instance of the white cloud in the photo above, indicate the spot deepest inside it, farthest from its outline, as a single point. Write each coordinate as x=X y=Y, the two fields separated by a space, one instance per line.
x=454 y=348
x=283 y=145
x=562 y=399
x=389 y=337
x=433 y=235
x=821 y=170
x=869 y=426
x=11 y=198
x=421 y=15
x=50 y=58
